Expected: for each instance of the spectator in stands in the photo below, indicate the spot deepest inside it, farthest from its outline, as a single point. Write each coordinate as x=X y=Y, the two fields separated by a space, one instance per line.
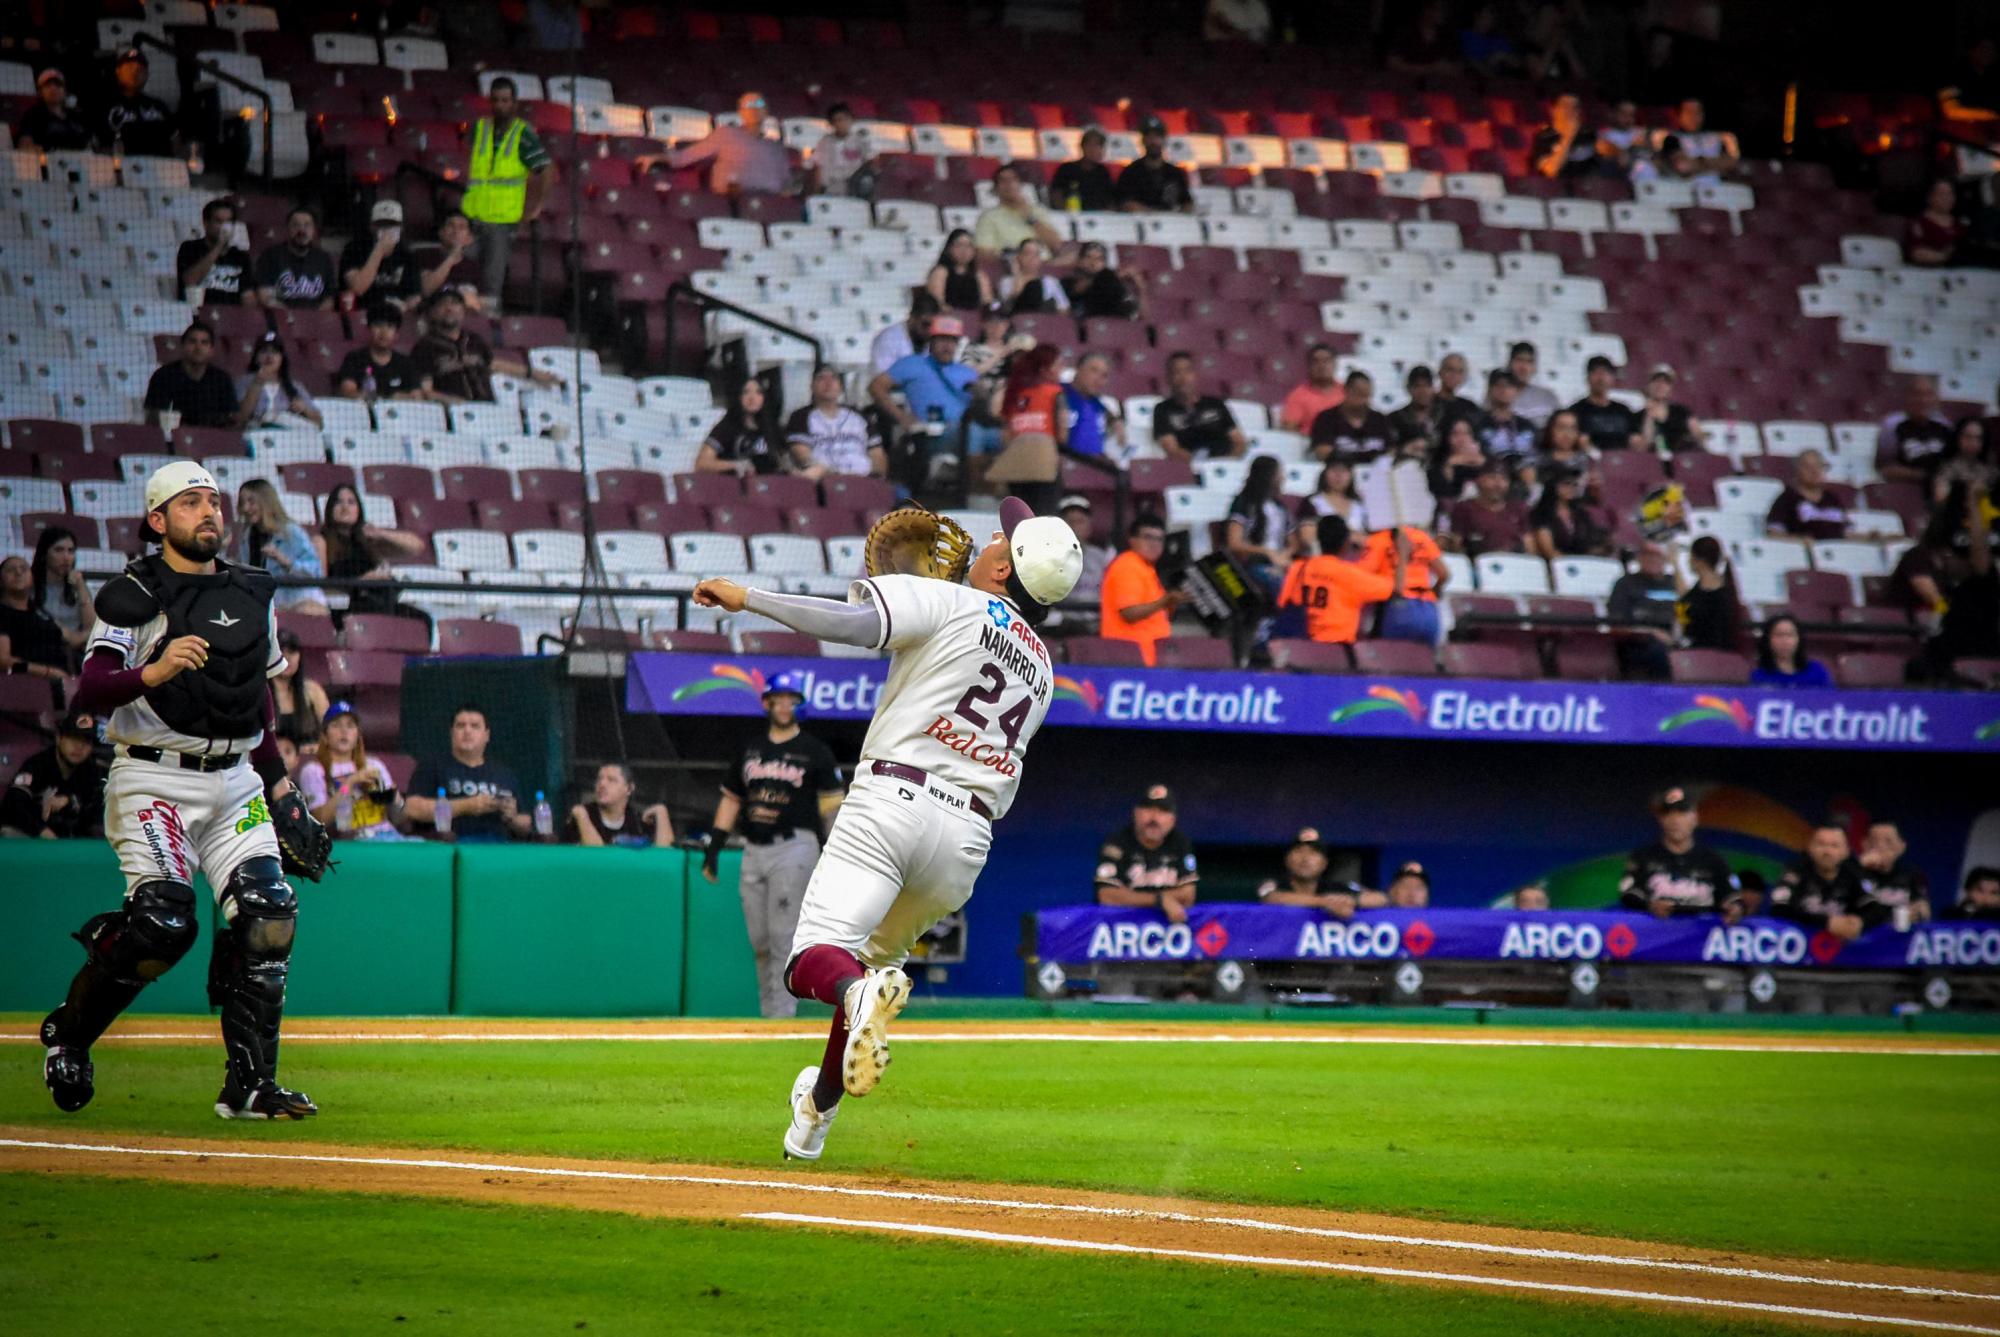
x=1095 y=427
x=1334 y=494
x=133 y=124
x=1410 y=888
x=936 y=387
x=1647 y=599
x=1782 y=660
x=1452 y=376
x=843 y=162
x=1625 y=147
x=1974 y=92
x=1075 y=510
x=1503 y=431
x=58 y=794
x=898 y=341
x=1423 y=417
x=1888 y=878
x=1150 y=184
x=1236 y=21
x=1608 y=423
x=48 y=125
x=454 y=242
x=1564 y=147
x=1317 y=393
x=1031 y=401
x=1333 y=588
x=1808 y=508
x=1014 y=218
x=1134 y=605
x=507 y=176
x=1696 y=151
x=267 y=393
x=1677 y=875
x=1953 y=572
x=1305 y=882
x=209 y=270
x=827 y=437
x=1934 y=236
x=956 y=280
x=1910 y=439
x=457 y=364
x=746 y=439
x=301 y=702
x=1665 y=427
x=1980 y=897
x=31 y=642
x=350 y=792
x=1484 y=48
x=1353 y=431
x=485 y=797
x=1536 y=403
x=192 y=390
x=1095 y=289
x=1150 y=863
x=376 y=267
x=296 y=273
x=1258 y=532
x=1823 y=890
x=1411 y=613
x=266 y=536
x=1454 y=465
x=1084 y=185
x=376 y=370
x=1562 y=525
x=1967 y=462
x=59 y=589
x=1027 y=288
x=1424 y=49
x=1562 y=447
x=1489 y=520
x=1533 y=896
x=743 y=158
x=350 y=548
x=1711 y=616
x=1190 y=425
x=613 y=816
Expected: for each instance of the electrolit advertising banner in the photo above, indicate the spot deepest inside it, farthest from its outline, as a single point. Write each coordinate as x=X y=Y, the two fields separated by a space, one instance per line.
x=1367 y=707
x=1086 y=934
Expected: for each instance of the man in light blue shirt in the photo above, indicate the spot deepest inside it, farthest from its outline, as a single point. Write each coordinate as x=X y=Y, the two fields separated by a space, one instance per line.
x=936 y=388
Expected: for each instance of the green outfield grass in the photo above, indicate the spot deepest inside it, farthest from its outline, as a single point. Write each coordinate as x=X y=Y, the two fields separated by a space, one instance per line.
x=1851 y=1156
x=205 y=1260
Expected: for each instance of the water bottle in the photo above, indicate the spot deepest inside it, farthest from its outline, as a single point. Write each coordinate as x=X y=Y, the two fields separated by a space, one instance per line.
x=343 y=811
x=935 y=422
x=368 y=381
x=545 y=818
x=442 y=817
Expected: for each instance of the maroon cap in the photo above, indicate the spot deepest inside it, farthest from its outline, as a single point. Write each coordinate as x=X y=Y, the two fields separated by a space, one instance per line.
x=1012 y=512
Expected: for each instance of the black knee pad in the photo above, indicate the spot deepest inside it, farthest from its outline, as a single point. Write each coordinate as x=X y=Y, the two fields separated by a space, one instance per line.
x=142 y=941
x=263 y=910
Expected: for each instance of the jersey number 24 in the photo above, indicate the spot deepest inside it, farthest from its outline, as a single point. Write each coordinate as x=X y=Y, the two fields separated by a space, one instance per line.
x=987 y=693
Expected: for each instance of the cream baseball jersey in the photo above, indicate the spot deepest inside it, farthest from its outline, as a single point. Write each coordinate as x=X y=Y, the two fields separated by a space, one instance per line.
x=137 y=724
x=969 y=683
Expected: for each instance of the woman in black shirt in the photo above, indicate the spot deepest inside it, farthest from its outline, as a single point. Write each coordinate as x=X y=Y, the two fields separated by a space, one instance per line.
x=956 y=280
x=30 y=640
x=1711 y=617
x=352 y=549
x=1094 y=290
x=1562 y=525
x=746 y=440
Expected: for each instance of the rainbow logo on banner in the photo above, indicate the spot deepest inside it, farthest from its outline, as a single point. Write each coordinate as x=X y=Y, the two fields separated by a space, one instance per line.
x=1988 y=731
x=1726 y=711
x=1379 y=698
x=723 y=678
x=1083 y=693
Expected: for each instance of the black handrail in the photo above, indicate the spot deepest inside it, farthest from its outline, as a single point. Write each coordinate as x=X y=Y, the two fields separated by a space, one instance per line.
x=143 y=38
x=682 y=290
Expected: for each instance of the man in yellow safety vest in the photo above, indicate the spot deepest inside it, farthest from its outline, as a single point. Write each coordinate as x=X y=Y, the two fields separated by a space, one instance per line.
x=506 y=179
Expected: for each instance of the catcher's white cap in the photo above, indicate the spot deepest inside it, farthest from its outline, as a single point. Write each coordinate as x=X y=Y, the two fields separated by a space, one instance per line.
x=170 y=480
x=1047 y=558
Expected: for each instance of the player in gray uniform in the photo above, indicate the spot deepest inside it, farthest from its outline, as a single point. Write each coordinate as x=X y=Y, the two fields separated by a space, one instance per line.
x=180 y=658
x=783 y=793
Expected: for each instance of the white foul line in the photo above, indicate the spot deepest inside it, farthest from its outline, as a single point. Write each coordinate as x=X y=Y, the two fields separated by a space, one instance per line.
x=1037 y=1037
x=1010 y=1204
x=1366 y=1270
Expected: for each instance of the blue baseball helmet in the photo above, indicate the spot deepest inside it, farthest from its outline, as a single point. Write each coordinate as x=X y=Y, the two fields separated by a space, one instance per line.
x=791 y=684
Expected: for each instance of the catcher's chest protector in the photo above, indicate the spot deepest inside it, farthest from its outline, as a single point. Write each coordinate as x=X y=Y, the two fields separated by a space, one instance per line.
x=231 y=610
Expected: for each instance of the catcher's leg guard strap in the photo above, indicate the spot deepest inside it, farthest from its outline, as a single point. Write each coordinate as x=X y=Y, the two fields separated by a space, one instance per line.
x=246 y=974
x=126 y=950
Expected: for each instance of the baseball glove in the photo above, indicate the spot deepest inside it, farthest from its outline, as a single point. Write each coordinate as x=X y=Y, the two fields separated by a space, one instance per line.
x=913 y=541
x=303 y=844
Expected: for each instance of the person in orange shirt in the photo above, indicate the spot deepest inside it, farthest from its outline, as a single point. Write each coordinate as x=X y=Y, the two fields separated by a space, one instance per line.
x=1134 y=605
x=1333 y=590
x=1412 y=612
x=1319 y=391
x=1031 y=402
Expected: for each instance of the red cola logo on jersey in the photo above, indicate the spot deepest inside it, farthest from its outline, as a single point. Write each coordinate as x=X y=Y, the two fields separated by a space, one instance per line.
x=161 y=828
x=970 y=746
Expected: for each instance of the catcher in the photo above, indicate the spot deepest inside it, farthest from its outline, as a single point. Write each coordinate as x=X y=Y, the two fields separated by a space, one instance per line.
x=178 y=661
x=969 y=683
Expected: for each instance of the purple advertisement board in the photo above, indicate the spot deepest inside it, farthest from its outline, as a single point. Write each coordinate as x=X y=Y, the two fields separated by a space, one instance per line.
x=1087 y=934
x=1361 y=706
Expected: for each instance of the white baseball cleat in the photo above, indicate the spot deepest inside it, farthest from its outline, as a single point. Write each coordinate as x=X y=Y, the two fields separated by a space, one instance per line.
x=872 y=1003
x=806 y=1138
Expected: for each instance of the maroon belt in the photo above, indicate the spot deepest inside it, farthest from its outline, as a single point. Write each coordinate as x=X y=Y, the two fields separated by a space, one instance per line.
x=916 y=777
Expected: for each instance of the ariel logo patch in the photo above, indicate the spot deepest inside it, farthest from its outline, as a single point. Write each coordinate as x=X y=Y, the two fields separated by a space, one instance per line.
x=255 y=814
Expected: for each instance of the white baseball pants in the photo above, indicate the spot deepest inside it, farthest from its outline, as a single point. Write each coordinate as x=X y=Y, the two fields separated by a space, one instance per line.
x=165 y=822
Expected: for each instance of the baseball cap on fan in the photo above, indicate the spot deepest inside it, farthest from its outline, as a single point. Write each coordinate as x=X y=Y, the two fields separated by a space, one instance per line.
x=170 y=480
x=1043 y=548
x=386 y=211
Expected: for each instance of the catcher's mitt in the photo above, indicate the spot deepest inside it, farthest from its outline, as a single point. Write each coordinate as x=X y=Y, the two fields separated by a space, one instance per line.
x=303 y=844
x=912 y=541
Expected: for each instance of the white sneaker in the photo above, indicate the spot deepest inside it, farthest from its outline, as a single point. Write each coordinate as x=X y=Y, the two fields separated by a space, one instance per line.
x=872 y=1003
x=806 y=1138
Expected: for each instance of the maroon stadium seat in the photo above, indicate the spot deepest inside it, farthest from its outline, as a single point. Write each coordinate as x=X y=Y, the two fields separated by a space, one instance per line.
x=1301 y=656
x=1979 y=672
x=477 y=482
x=708 y=489
x=1590 y=659
x=692 y=642
x=504 y=515
x=315 y=479
x=1480 y=659
x=1718 y=666
x=551 y=485
x=779 y=643
x=1869 y=669
x=39 y=434
x=631 y=486
x=780 y=491
x=476 y=636
x=314 y=630
x=399 y=481
x=364 y=668
x=85 y=528
x=1404 y=659
x=385 y=631
x=1195 y=652
x=858 y=494
x=1103 y=652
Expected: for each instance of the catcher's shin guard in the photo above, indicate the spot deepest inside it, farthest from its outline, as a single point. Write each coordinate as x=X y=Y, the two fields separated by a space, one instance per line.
x=125 y=950
x=246 y=972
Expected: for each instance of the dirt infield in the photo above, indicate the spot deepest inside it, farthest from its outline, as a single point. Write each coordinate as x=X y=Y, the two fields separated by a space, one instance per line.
x=1536 y=1263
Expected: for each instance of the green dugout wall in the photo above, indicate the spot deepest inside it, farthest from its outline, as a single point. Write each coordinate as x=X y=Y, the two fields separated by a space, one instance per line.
x=421 y=929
